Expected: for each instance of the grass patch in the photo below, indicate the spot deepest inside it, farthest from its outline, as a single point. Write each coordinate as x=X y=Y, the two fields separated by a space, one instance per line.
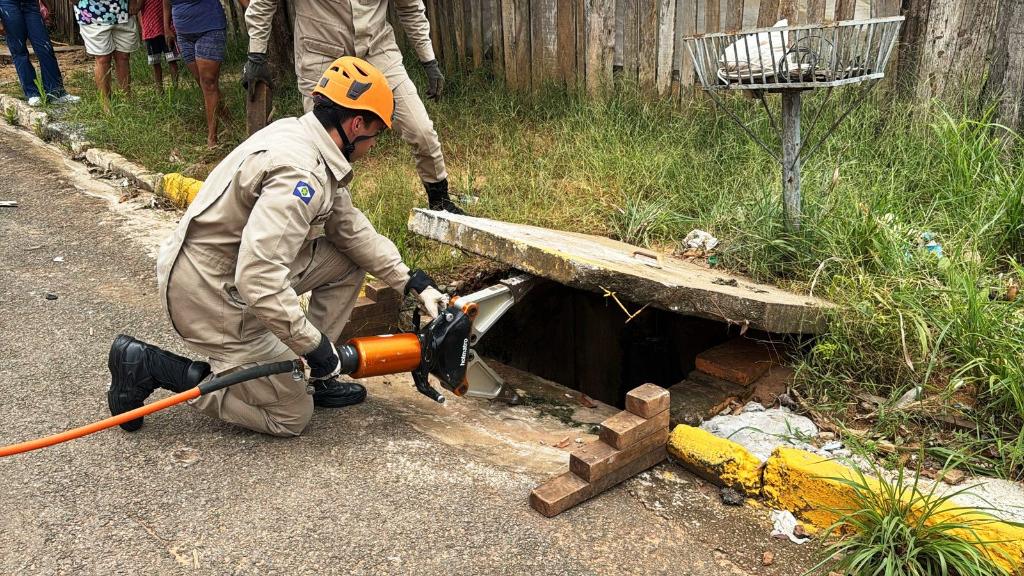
x=890 y=177
x=895 y=529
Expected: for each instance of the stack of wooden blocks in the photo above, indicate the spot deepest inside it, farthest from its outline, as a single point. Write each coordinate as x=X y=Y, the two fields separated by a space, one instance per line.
x=375 y=312
x=630 y=442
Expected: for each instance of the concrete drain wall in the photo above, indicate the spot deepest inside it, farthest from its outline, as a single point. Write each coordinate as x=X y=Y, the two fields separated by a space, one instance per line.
x=581 y=340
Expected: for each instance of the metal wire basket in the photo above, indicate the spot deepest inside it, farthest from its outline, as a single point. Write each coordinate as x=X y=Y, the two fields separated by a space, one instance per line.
x=796 y=57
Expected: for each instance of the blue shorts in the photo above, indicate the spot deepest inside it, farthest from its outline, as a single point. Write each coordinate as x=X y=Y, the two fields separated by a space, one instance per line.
x=207 y=45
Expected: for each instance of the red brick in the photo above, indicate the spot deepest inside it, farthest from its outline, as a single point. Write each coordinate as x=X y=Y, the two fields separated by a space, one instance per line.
x=595 y=460
x=648 y=400
x=739 y=360
x=365 y=308
x=625 y=428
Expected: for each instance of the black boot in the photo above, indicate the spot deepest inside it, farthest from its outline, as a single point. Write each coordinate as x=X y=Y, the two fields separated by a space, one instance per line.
x=335 y=394
x=437 y=195
x=137 y=369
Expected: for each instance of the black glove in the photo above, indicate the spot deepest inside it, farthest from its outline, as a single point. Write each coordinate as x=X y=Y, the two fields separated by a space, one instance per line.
x=419 y=281
x=435 y=80
x=323 y=360
x=256 y=70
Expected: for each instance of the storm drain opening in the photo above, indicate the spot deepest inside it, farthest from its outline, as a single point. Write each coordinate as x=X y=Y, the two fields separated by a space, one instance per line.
x=587 y=342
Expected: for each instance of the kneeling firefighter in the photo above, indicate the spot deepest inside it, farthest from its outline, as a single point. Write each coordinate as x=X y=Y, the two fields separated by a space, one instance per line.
x=274 y=220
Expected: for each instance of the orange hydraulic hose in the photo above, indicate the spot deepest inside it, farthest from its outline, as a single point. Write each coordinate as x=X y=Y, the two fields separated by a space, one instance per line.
x=101 y=425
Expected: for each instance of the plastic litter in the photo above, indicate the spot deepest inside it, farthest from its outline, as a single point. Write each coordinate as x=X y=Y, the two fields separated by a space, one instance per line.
x=699 y=239
x=784 y=526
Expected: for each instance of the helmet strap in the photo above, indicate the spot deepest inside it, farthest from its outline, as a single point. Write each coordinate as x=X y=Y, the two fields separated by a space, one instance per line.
x=348 y=146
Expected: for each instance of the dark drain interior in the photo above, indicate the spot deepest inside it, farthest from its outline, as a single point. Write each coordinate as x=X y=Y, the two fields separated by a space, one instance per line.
x=582 y=340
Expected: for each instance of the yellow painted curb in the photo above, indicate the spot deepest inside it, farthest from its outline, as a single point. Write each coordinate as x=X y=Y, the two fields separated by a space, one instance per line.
x=716 y=459
x=181 y=189
x=806 y=484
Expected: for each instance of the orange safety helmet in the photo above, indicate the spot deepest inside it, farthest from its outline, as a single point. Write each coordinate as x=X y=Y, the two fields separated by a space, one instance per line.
x=356 y=84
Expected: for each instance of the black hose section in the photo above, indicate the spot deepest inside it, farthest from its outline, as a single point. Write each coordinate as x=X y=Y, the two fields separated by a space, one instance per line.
x=349 y=359
x=247 y=374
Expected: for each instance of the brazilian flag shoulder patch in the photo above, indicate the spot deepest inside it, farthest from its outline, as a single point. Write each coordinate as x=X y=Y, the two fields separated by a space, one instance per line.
x=304 y=191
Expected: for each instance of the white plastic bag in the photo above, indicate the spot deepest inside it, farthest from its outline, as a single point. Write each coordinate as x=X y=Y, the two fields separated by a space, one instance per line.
x=754 y=54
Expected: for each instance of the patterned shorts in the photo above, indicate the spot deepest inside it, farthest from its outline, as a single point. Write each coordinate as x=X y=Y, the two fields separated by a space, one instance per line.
x=204 y=45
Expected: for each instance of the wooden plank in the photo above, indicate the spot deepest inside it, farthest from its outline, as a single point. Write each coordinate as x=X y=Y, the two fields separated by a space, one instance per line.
x=733 y=15
x=257 y=109
x=712 y=16
x=648 y=400
x=508 y=41
x=884 y=8
x=582 y=6
x=666 y=45
x=845 y=9
x=446 y=34
x=431 y=9
x=458 y=10
x=631 y=40
x=600 y=45
x=939 y=44
x=768 y=14
x=476 y=39
x=686 y=25
x=521 y=30
x=647 y=40
x=487 y=28
x=626 y=429
x=566 y=42
x=596 y=460
x=788 y=9
x=815 y=11
x=497 y=39
x=544 y=40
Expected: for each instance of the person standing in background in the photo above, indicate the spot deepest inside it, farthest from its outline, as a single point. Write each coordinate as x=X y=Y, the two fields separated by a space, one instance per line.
x=157 y=49
x=110 y=34
x=201 y=36
x=26 y=20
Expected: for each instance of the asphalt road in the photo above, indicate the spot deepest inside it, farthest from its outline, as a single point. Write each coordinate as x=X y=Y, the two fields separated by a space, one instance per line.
x=383 y=487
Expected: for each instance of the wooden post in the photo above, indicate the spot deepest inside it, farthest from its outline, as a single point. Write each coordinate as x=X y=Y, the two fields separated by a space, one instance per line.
x=791 y=158
x=257 y=109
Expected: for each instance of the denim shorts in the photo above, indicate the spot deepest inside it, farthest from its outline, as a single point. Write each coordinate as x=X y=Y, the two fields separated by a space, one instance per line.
x=207 y=45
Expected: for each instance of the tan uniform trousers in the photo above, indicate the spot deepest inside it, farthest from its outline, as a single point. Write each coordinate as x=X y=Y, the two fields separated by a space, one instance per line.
x=410 y=119
x=279 y=404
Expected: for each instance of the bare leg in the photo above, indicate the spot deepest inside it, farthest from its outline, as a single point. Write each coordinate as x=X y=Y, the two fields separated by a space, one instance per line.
x=122 y=60
x=209 y=81
x=158 y=75
x=101 y=74
x=174 y=73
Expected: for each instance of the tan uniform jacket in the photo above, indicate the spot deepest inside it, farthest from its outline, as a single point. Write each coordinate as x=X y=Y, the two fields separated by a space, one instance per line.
x=328 y=29
x=250 y=231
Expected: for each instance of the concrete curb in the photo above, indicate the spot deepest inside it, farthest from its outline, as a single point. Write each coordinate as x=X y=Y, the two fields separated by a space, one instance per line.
x=812 y=488
x=24 y=115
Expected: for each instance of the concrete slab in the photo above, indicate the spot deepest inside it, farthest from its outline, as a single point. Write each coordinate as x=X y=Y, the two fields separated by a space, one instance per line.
x=640 y=276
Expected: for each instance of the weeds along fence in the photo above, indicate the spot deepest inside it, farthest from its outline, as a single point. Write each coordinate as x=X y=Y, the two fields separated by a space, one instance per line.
x=961 y=49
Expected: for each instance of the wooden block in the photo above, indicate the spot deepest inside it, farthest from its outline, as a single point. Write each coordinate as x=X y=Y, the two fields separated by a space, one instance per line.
x=593 y=461
x=643 y=461
x=381 y=292
x=739 y=360
x=647 y=401
x=366 y=308
x=625 y=428
x=559 y=494
x=567 y=490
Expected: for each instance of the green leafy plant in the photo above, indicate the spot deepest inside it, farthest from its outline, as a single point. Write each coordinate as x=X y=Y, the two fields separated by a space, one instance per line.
x=894 y=529
x=43 y=96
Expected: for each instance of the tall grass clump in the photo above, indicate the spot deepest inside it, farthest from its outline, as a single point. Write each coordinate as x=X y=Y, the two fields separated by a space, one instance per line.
x=892 y=528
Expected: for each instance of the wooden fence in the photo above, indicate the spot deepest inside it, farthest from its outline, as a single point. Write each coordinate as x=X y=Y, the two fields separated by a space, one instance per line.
x=948 y=48
x=587 y=43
